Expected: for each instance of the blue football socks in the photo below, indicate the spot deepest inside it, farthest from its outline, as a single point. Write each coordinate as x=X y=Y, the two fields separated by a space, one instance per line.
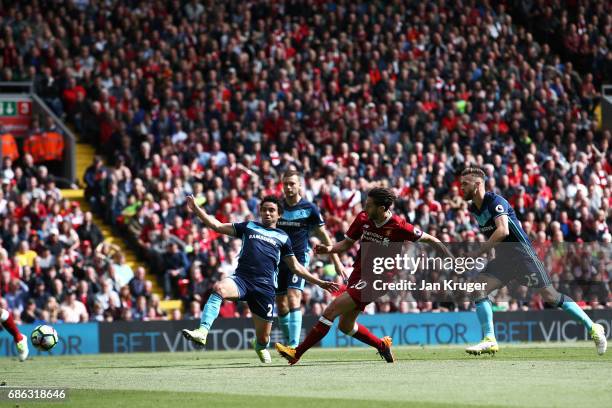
x=211 y=311
x=484 y=311
x=283 y=322
x=295 y=327
x=577 y=313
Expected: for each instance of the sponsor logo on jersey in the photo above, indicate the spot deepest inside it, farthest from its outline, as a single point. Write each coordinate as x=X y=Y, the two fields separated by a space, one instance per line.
x=374 y=237
x=283 y=223
x=264 y=238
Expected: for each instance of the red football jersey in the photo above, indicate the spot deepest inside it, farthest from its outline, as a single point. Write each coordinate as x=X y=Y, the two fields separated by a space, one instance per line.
x=395 y=229
x=378 y=239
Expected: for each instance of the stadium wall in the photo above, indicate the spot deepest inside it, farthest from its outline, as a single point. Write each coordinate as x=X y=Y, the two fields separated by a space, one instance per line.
x=234 y=334
x=226 y=334
x=463 y=327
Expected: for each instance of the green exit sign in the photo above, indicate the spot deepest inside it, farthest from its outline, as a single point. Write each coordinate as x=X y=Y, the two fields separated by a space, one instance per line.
x=8 y=108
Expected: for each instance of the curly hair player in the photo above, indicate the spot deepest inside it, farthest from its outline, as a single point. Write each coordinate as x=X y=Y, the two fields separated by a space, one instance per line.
x=263 y=246
x=376 y=225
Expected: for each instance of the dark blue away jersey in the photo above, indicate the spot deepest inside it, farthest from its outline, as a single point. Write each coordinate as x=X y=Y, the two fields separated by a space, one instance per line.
x=298 y=221
x=493 y=206
x=261 y=252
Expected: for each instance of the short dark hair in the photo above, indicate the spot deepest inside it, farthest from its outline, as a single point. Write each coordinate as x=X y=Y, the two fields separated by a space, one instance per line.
x=473 y=171
x=382 y=197
x=291 y=173
x=275 y=200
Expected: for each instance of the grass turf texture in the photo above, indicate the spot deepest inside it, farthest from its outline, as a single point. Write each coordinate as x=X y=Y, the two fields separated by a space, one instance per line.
x=534 y=375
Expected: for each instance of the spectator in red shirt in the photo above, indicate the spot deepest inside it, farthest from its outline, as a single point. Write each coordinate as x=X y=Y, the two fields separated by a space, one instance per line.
x=72 y=94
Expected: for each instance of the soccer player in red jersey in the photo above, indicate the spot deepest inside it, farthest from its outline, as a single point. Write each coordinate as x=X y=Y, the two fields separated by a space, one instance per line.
x=376 y=225
x=21 y=342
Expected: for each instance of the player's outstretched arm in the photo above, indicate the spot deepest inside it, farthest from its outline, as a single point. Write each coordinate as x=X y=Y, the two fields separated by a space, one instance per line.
x=337 y=248
x=321 y=233
x=501 y=232
x=430 y=239
x=208 y=220
x=300 y=270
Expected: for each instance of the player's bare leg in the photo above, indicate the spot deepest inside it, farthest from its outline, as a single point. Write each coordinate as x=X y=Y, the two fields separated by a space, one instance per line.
x=597 y=332
x=347 y=321
x=226 y=289
x=21 y=342
x=262 y=339
x=488 y=345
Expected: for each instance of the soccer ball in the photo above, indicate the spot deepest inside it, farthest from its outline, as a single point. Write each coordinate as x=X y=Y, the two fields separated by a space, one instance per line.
x=44 y=337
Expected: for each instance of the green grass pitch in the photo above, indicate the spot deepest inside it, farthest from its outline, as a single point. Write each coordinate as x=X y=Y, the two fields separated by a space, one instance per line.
x=534 y=375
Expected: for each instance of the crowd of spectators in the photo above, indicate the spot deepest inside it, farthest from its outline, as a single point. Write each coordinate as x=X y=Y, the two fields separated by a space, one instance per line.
x=578 y=30
x=54 y=264
x=217 y=99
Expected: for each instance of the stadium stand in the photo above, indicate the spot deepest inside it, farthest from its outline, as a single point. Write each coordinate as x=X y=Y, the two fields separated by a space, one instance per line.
x=583 y=26
x=219 y=99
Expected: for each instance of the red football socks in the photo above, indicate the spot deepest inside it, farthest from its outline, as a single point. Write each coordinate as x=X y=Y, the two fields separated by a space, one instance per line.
x=9 y=325
x=365 y=336
x=314 y=336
